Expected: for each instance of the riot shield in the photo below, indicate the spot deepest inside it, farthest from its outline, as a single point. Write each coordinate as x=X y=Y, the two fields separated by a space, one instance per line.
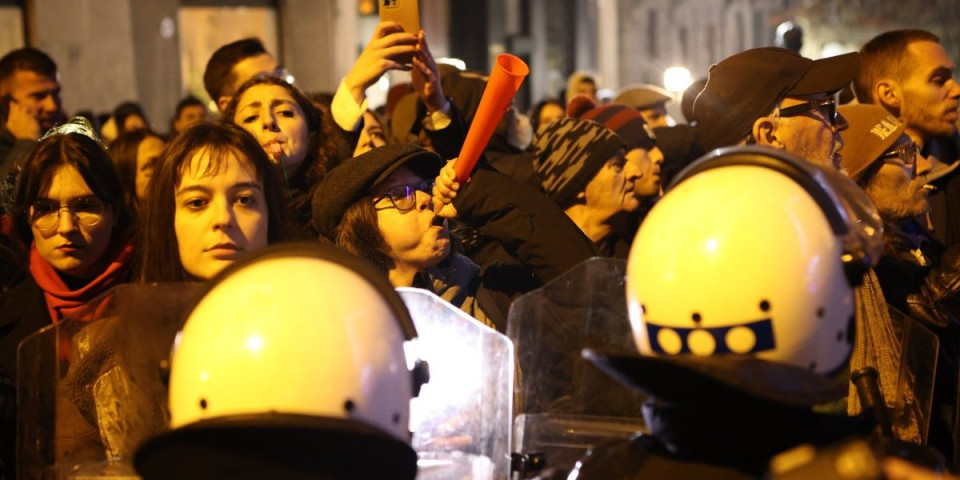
x=461 y=419
x=919 y=352
x=94 y=385
x=564 y=405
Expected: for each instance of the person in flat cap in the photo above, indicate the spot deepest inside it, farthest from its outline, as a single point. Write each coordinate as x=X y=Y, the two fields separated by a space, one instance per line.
x=650 y=100
x=381 y=206
x=772 y=96
x=916 y=274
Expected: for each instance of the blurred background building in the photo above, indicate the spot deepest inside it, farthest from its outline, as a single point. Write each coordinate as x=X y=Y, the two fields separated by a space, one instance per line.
x=154 y=51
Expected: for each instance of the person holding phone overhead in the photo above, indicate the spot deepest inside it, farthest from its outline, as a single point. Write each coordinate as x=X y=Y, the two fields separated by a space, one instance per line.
x=386 y=51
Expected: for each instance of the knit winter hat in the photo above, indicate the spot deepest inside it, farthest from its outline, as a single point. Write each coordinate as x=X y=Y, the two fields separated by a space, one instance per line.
x=352 y=179
x=872 y=131
x=569 y=154
x=625 y=122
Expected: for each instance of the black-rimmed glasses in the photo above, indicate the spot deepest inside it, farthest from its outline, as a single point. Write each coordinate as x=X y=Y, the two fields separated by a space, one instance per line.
x=905 y=153
x=45 y=214
x=404 y=197
x=826 y=106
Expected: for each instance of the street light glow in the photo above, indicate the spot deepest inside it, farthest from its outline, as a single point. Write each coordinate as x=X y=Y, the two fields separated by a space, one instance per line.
x=676 y=79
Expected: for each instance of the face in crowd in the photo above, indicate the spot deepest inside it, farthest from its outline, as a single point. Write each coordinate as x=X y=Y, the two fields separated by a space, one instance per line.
x=550 y=113
x=415 y=236
x=646 y=184
x=930 y=94
x=189 y=116
x=655 y=116
x=221 y=212
x=244 y=70
x=611 y=190
x=897 y=188
x=71 y=226
x=807 y=126
x=38 y=94
x=371 y=135
x=278 y=122
x=148 y=154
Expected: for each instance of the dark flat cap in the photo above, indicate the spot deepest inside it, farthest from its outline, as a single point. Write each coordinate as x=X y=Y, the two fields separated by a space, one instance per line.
x=351 y=180
x=746 y=86
x=643 y=96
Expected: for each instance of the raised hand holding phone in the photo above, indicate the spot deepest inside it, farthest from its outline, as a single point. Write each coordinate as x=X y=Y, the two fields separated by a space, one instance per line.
x=426 y=77
x=382 y=53
x=405 y=13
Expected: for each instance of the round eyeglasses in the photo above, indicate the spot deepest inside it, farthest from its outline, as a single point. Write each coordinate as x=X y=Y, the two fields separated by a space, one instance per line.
x=404 y=197
x=45 y=214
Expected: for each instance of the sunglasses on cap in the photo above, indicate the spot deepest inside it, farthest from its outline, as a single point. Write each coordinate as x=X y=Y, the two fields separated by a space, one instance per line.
x=404 y=197
x=826 y=106
x=905 y=153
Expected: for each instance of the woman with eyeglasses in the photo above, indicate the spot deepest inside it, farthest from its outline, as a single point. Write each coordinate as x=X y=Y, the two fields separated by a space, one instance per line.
x=380 y=206
x=215 y=197
x=68 y=210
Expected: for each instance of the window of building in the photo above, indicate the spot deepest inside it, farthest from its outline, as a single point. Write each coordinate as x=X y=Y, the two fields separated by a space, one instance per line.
x=652 y=34
x=11 y=26
x=206 y=25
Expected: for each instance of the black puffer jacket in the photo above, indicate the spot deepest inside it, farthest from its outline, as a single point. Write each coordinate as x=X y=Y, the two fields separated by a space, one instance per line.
x=922 y=279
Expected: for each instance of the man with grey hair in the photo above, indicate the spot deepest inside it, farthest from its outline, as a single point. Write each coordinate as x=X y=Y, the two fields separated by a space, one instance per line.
x=772 y=96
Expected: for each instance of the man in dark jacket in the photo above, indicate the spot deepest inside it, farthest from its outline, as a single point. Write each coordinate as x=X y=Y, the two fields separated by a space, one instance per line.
x=916 y=274
x=30 y=91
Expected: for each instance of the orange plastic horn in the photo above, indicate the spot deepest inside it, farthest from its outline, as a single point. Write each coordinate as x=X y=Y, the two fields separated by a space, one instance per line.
x=505 y=79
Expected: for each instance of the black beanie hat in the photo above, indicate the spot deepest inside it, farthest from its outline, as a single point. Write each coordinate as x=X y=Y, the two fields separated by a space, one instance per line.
x=352 y=179
x=569 y=153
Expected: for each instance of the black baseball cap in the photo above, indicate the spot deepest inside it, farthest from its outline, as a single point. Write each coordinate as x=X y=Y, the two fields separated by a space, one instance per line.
x=745 y=86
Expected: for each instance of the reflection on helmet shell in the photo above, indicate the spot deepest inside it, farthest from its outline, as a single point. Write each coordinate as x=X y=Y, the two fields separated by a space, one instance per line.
x=293 y=335
x=741 y=259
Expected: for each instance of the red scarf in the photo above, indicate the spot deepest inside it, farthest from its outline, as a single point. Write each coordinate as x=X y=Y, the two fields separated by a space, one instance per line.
x=61 y=301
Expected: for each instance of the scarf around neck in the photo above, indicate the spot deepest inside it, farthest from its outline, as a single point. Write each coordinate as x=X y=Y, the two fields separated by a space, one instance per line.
x=61 y=300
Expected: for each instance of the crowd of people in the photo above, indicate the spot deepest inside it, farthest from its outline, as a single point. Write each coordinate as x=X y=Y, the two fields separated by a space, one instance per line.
x=90 y=203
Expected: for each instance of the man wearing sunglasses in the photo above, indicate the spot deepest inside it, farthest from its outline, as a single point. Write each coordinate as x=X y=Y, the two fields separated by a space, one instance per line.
x=774 y=97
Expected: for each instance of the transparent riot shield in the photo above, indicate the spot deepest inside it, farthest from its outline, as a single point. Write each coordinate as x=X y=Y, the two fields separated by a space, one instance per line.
x=461 y=419
x=93 y=386
x=564 y=405
x=919 y=352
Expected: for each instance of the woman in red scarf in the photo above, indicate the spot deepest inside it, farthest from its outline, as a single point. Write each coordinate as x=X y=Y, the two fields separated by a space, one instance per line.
x=68 y=207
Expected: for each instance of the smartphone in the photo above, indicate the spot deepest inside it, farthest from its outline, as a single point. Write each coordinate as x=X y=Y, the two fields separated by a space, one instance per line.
x=404 y=12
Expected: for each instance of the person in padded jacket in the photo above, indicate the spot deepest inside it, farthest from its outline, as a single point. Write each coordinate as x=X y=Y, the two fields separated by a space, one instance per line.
x=381 y=206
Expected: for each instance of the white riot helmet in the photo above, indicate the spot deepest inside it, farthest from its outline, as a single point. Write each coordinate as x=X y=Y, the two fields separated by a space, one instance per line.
x=753 y=251
x=292 y=362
